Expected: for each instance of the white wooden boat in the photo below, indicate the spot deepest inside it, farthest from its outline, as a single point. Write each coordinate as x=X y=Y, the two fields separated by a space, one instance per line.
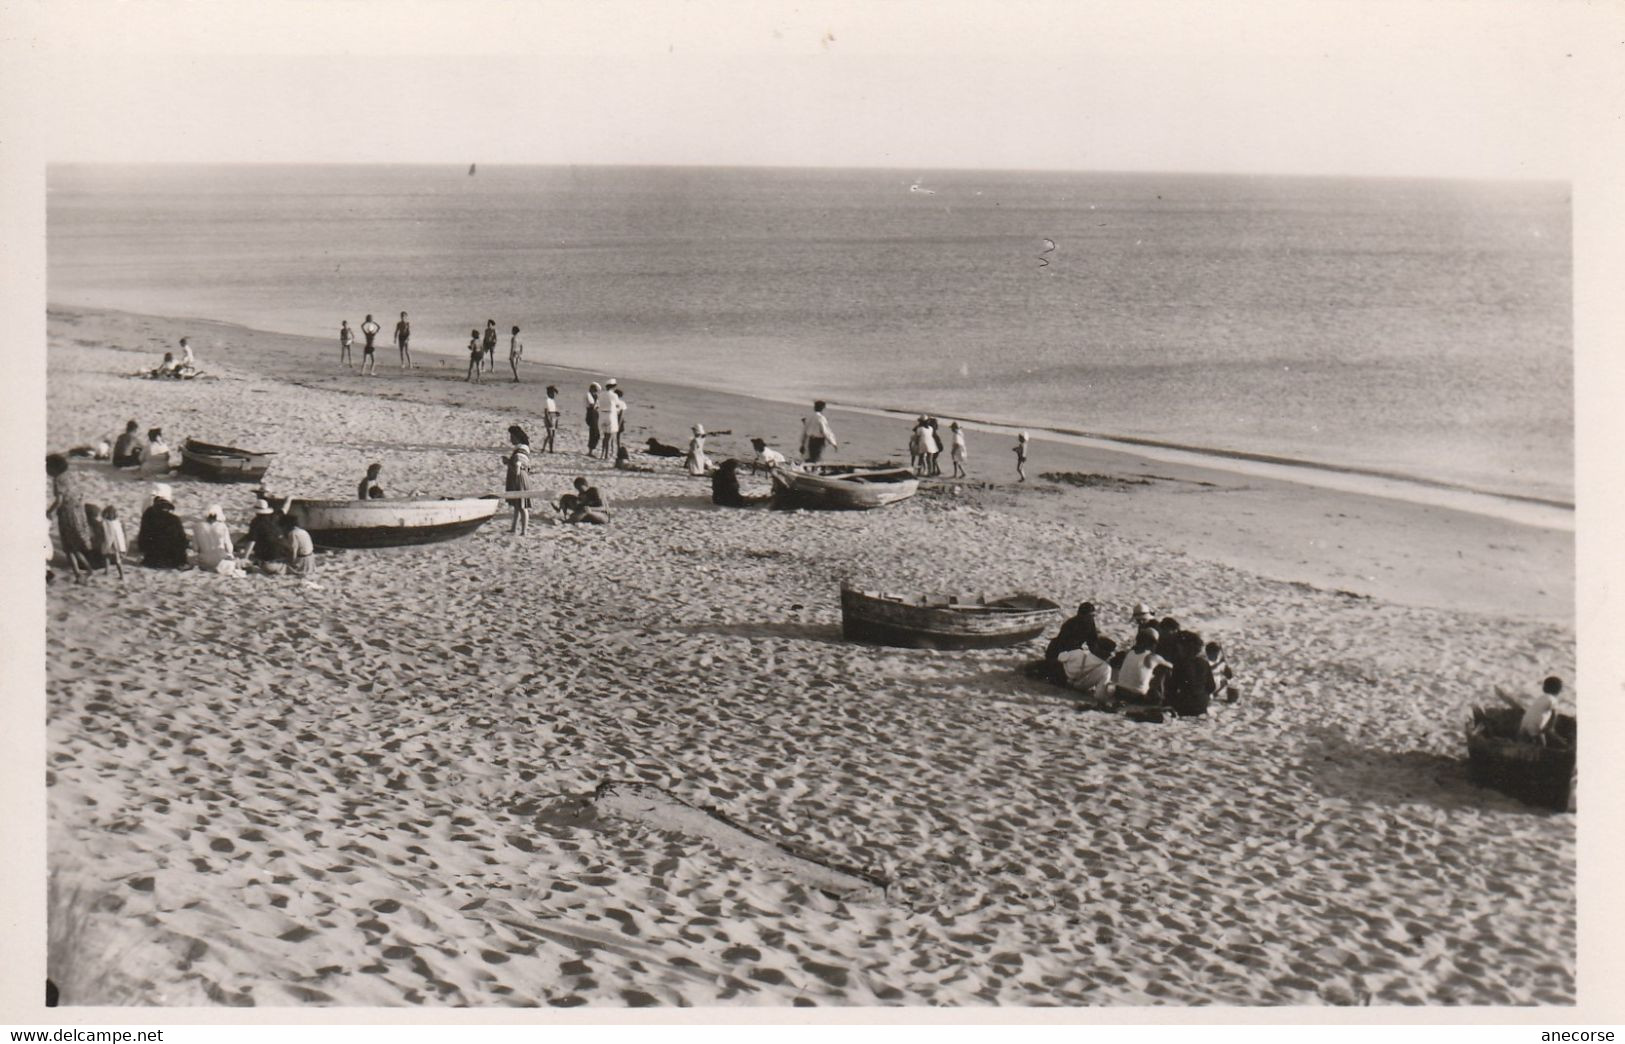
x=944 y=621
x=391 y=522
x=842 y=487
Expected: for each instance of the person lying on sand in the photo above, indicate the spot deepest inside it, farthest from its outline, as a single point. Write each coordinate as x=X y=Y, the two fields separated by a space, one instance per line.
x=1539 y=712
x=586 y=504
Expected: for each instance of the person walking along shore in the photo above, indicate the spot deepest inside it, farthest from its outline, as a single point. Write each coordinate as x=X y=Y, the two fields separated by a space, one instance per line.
x=816 y=434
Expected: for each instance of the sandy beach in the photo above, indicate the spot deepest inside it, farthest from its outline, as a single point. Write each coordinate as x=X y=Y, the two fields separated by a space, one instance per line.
x=378 y=788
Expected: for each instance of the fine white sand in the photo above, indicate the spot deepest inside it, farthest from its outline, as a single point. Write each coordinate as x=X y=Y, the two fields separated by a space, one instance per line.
x=376 y=789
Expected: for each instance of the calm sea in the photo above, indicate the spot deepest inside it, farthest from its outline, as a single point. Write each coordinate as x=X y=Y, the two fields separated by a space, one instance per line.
x=1414 y=326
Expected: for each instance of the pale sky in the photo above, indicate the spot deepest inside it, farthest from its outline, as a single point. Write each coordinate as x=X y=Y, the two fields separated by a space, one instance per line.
x=1484 y=89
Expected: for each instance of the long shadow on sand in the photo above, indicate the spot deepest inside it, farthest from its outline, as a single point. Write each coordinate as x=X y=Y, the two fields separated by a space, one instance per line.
x=1343 y=769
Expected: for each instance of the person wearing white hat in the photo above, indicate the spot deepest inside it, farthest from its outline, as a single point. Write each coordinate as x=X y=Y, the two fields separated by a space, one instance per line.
x=264 y=541
x=697 y=462
x=213 y=542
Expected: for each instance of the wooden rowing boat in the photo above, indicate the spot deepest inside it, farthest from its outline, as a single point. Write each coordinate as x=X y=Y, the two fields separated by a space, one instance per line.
x=944 y=621
x=215 y=463
x=842 y=487
x=1541 y=774
x=391 y=522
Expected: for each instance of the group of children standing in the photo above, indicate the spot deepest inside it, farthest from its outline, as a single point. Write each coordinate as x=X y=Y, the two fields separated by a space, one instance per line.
x=482 y=351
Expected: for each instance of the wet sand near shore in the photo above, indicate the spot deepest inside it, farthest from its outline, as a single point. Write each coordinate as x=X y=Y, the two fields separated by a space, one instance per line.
x=378 y=788
x=1392 y=550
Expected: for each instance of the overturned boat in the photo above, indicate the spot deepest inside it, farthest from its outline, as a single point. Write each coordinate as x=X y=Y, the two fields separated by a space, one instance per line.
x=391 y=522
x=842 y=487
x=213 y=463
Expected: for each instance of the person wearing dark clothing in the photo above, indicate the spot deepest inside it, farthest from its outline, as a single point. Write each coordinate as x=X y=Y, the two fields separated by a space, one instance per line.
x=1189 y=689
x=368 y=488
x=488 y=344
x=725 y=485
x=1077 y=633
x=162 y=538
x=264 y=542
x=586 y=504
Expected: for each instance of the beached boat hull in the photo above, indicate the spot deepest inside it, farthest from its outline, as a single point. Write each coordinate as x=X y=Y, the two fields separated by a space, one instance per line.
x=944 y=621
x=842 y=488
x=390 y=522
x=222 y=463
x=1540 y=775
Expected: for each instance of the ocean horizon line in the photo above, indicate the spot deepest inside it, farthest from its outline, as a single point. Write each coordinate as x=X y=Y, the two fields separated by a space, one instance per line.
x=457 y=164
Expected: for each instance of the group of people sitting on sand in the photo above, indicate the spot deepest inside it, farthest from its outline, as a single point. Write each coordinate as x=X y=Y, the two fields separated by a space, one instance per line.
x=1166 y=667
x=93 y=537
x=171 y=368
x=151 y=456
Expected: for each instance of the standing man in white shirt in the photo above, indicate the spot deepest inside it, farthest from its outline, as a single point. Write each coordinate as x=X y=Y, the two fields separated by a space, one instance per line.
x=816 y=434
x=609 y=419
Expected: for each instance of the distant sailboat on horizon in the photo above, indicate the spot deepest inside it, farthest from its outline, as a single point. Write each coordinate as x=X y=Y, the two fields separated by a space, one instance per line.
x=471 y=170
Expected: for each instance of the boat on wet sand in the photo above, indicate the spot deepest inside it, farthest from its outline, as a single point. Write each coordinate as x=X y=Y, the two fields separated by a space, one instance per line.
x=213 y=463
x=842 y=487
x=944 y=621
x=391 y=522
